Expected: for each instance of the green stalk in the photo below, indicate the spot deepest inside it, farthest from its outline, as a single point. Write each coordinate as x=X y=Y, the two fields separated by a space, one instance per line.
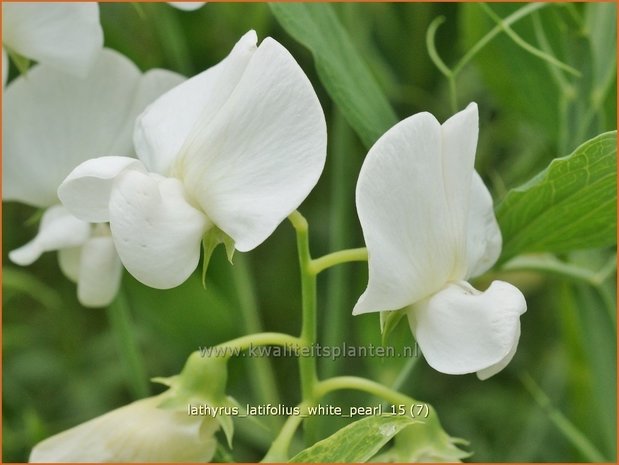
x=439 y=63
x=318 y=265
x=307 y=365
x=547 y=57
x=230 y=348
x=365 y=385
x=485 y=40
x=278 y=452
x=120 y=321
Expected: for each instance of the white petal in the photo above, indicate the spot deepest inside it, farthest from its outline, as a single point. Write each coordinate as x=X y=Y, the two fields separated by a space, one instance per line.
x=138 y=432
x=53 y=122
x=5 y=67
x=459 y=142
x=256 y=161
x=483 y=239
x=67 y=36
x=164 y=126
x=151 y=86
x=413 y=198
x=99 y=273
x=187 y=6
x=58 y=229
x=461 y=330
x=494 y=369
x=403 y=213
x=156 y=231
x=69 y=262
x=86 y=190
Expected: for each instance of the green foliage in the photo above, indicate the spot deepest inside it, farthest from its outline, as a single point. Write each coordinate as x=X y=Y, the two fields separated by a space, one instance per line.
x=357 y=442
x=340 y=65
x=571 y=205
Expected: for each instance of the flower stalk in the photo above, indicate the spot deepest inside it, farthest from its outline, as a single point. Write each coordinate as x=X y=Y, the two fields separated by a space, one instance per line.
x=307 y=365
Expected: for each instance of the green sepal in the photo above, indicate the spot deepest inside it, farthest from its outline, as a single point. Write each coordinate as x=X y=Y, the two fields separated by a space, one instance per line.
x=389 y=321
x=36 y=217
x=21 y=62
x=226 y=424
x=202 y=381
x=424 y=442
x=210 y=241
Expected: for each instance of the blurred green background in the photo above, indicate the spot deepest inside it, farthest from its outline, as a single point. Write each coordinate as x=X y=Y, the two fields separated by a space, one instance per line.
x=63 y=364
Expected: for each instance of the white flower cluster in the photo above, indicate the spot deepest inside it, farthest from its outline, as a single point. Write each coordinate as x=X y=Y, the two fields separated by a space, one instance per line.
x=137 y=169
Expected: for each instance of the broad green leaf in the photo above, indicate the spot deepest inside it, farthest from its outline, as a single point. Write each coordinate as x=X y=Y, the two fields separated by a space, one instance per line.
x=355 y=443
x=341 y=67
x=570 y=205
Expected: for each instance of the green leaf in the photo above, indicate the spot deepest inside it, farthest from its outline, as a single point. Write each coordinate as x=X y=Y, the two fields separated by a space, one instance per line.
x=341 y=68
x=570 y=205
x=355 y=443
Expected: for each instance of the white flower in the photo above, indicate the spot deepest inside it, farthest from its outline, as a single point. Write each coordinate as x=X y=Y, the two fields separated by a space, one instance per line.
x=429 y=226
x=229 y=153
x=187 y=6
x=51 y=123
x=65 y=36
x=139 y=432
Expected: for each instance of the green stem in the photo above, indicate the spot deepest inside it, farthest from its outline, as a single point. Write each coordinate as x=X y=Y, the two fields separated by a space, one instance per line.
x=278 y=452
x=318 y=265
x=362 y=384
x=235 y=346
x=525 y=45
x=120 y=321
x=439 y=63
x=307 y=365
x=431 y=46
x=263 y=374
x=566 y=427
x=566 y=88
x=485 y=40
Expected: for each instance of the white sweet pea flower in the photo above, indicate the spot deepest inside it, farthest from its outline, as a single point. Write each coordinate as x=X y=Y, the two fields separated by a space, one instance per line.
x=187 y=6
x=51 y=123
x=142 y=431
x=225 y=156
x=429 y=226
x=65 y=36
